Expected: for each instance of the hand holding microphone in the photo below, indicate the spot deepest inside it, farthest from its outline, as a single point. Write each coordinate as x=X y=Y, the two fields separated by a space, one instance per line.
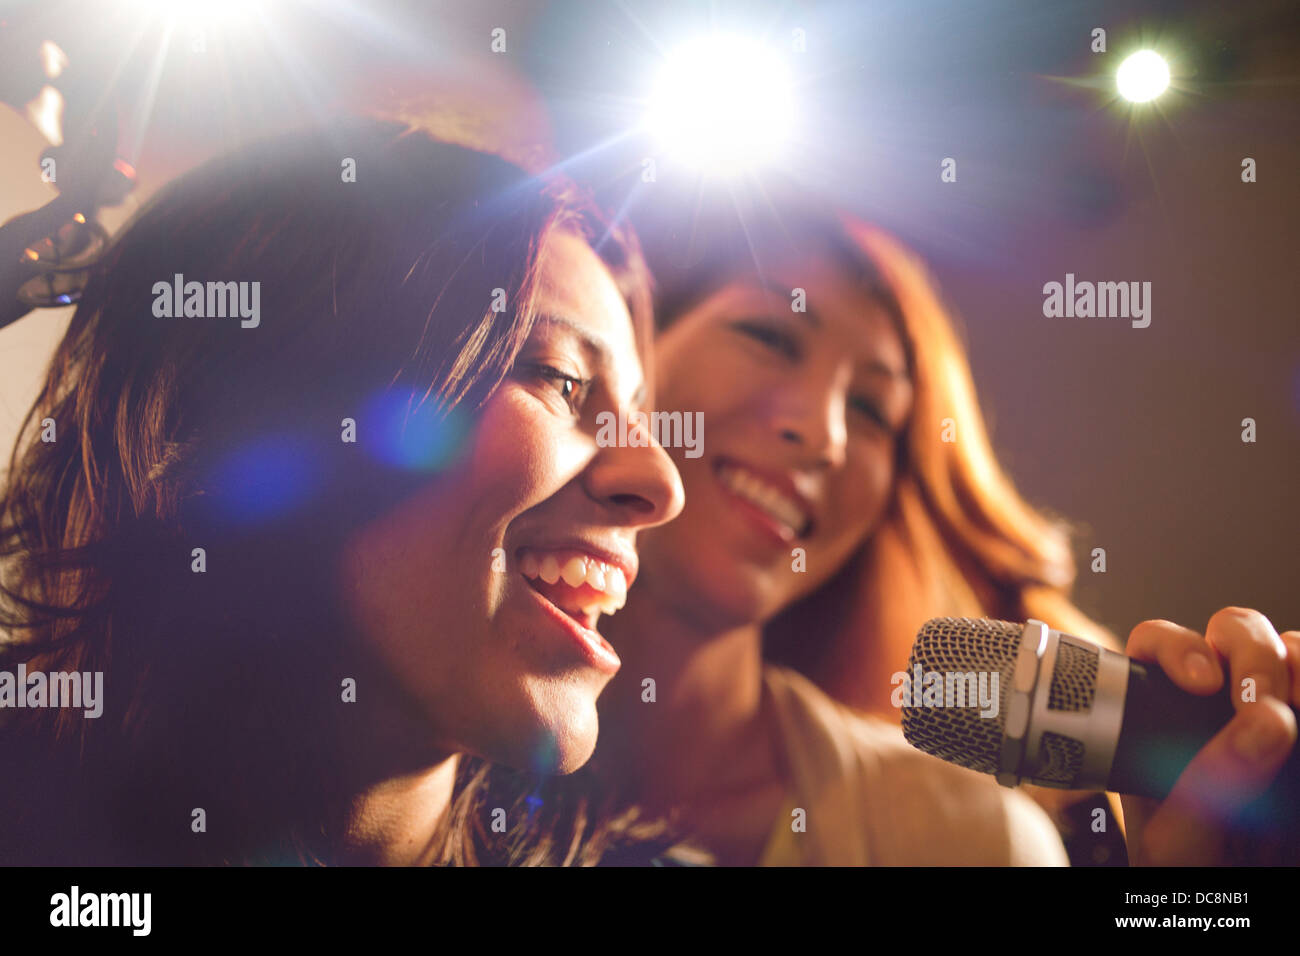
x=1192 y=826
x=1199 y=764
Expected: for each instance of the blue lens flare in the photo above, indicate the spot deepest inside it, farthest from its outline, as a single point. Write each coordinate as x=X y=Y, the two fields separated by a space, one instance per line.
x=266 y=478
x=401 y=431
x=534 y=802
x=275 y=475
x=546 y=754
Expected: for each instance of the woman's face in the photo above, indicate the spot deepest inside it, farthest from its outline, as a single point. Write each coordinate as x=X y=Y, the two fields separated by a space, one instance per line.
x=801 y=411
x=456 y=587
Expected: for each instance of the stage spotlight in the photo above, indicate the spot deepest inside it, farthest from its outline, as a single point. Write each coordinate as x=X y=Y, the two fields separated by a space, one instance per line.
x=722 y=103
x=200 y=12
x=1142 y=76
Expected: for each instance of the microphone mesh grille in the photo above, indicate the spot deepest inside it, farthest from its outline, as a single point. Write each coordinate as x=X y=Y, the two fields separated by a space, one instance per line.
x=1060 y=758
x=1074 y=679
x=958 y=645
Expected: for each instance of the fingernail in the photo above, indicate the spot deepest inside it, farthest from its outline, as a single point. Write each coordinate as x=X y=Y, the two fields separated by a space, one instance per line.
x=1197 y=666
x=1258 y=741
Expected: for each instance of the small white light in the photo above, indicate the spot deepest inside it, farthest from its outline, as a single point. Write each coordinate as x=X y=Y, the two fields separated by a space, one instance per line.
x=46 y=113
x=723 y=103
x=1142 y=76
x=53 y=59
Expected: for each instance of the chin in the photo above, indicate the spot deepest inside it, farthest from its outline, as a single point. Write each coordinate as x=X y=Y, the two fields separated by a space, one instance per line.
x=573 y=760
x=562 y=735
x=720 y=587
x=575 y=738
x=555 y=756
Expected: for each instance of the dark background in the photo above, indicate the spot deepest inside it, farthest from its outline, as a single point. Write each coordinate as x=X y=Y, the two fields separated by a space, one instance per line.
x=1132 y=434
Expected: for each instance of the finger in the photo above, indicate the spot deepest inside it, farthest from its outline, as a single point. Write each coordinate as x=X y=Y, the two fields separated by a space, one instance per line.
x=1291 y=640
x=1181 y=653
x=1234 y=768
x=1254 y=652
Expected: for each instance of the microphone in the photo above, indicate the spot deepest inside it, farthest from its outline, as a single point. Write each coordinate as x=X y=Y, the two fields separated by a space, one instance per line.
x=1059 y=711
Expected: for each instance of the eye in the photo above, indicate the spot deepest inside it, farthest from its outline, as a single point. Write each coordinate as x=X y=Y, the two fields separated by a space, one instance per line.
x=869 y=408
x=571 y=388
x=773 y=338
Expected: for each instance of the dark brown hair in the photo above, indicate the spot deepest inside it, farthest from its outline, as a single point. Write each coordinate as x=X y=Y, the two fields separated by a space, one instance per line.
x=221 y=688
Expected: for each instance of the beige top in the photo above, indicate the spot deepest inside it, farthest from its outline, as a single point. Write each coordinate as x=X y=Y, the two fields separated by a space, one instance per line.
x=871 y=799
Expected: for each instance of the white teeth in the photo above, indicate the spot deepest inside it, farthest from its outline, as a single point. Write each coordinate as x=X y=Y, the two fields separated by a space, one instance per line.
x=616 y=586
x=574 y=572
x=577 y=571
x=775 y=502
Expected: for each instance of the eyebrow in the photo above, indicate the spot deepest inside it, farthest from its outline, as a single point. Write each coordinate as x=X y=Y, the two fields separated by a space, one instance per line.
x=595 y=344
x=876 y=365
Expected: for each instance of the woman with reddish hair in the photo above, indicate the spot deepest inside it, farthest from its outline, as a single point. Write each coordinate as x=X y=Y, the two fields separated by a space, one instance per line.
x=846 y=493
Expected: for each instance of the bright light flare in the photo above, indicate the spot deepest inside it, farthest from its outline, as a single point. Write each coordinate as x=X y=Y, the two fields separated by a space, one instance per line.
x=1142 y=76
x=200 y=12
x=46 y=114
x=723 y=103
x=53 y=59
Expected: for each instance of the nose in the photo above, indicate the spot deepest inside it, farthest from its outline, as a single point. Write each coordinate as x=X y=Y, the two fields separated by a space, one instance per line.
x=640 y=484
x=810 y=414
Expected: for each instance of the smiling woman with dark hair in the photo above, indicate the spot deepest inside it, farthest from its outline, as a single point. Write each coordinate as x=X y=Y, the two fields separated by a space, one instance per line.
x=293 y=547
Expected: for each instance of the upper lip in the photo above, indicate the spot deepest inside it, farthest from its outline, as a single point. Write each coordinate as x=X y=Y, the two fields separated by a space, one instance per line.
x=610 y=552
x=787 y=482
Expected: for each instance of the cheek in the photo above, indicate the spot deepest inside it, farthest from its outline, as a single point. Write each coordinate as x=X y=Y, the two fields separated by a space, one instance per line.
x=862 y=492
x=521 y=455
x=710 y=378
x=416 y=562
x=418 y=581
x=687 y=357
x=509 y=460
x=673 y=390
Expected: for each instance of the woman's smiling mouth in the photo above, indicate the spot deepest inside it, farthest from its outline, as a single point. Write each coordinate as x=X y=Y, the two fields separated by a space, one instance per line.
x=576 y=582
x=574 y=587
x=781 y=513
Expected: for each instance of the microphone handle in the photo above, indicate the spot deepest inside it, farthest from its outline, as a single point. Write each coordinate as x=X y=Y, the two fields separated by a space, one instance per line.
x=1164 y=727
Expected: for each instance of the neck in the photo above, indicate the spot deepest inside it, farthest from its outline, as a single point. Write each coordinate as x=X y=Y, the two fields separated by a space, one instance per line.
x=708 y=697
x=399 y=785
x=396 y=821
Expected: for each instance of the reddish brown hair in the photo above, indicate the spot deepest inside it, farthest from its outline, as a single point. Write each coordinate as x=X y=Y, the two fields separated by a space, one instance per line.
x=957 y=538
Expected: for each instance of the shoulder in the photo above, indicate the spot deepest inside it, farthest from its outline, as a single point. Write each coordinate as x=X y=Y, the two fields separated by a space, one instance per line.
x=919 y=810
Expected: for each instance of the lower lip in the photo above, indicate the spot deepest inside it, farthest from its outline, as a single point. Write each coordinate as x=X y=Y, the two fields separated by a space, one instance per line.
x=773 y=530
x=595 y=649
